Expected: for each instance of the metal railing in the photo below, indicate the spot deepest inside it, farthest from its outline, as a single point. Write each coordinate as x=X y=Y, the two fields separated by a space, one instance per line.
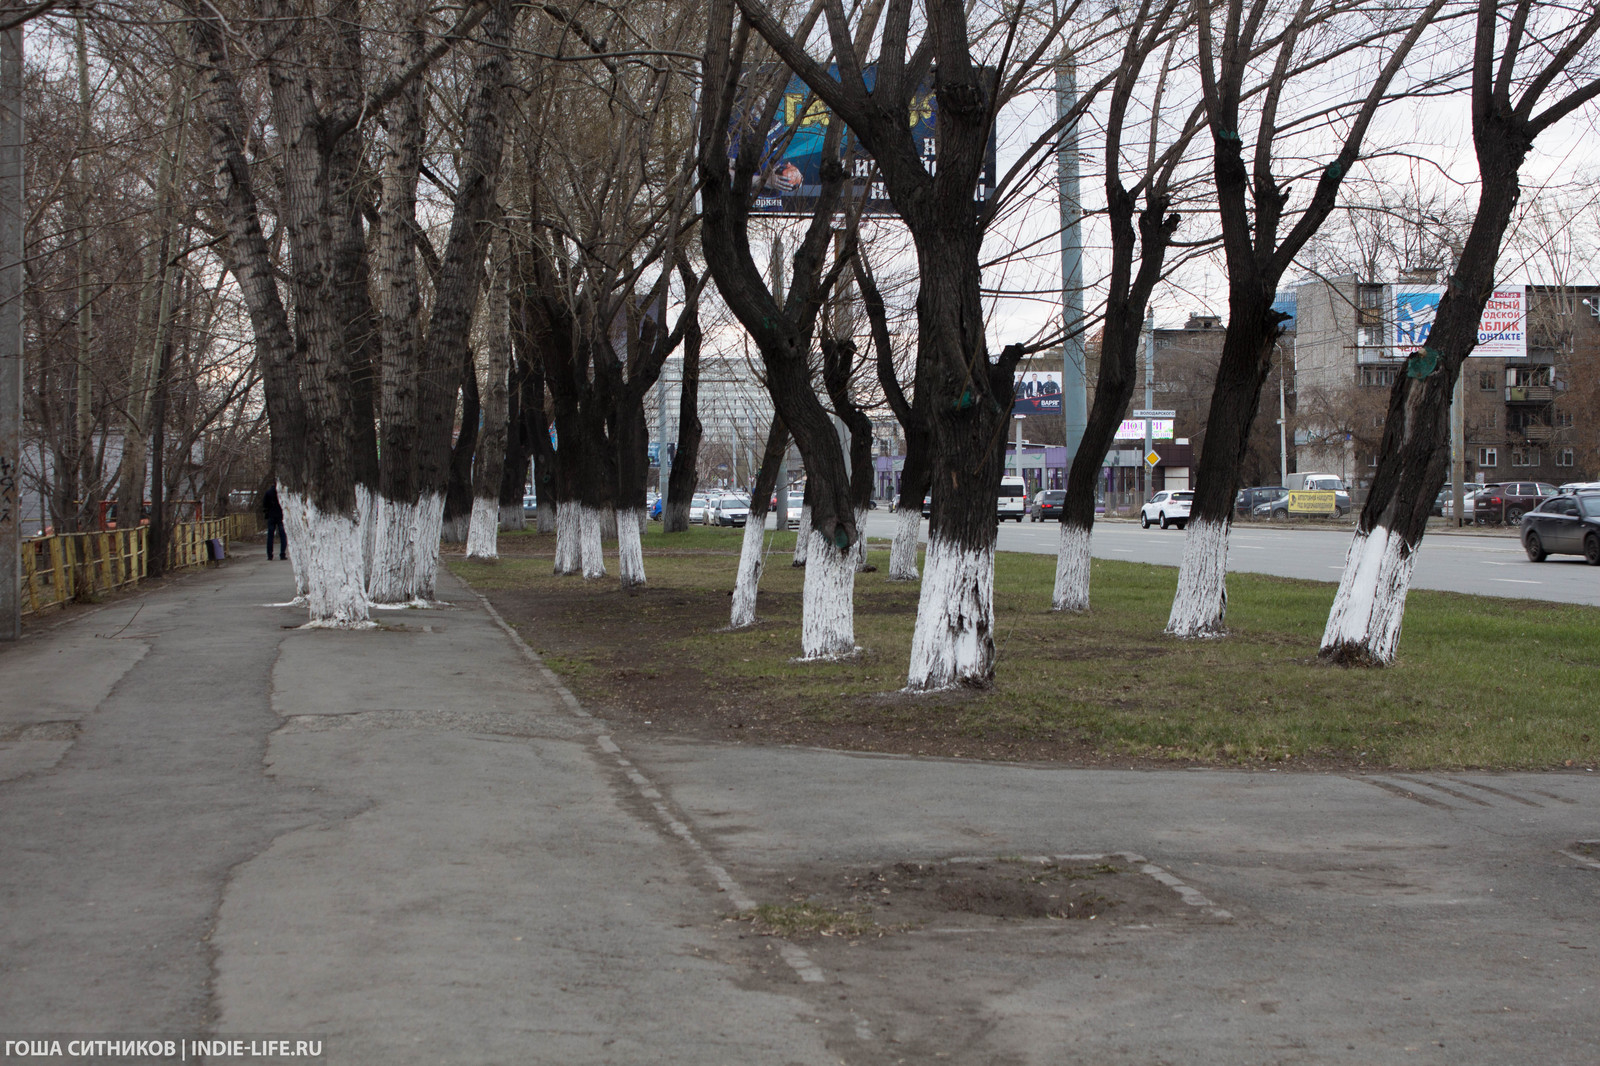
x=70 y=567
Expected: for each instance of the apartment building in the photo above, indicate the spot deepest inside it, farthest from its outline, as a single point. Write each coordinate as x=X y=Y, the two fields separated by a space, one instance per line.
x=1529 y=392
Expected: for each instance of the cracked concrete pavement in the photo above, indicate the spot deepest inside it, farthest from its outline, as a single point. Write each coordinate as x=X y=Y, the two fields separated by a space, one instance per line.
x=405 y=842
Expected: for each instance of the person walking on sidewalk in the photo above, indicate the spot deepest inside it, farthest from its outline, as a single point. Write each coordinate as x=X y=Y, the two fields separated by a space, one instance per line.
x=272 y=511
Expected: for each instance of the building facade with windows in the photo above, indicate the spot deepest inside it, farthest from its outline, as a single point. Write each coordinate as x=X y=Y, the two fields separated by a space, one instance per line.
x=1529 y=393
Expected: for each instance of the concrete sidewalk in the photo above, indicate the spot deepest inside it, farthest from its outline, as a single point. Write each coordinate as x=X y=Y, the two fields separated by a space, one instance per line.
x=411 y=843
x=400 y=840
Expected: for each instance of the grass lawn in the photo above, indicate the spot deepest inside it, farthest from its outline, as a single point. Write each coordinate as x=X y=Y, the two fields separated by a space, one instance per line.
x=1480 y=682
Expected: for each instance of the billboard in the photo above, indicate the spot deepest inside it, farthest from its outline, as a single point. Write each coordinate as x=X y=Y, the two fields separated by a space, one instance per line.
x=1133 y=429
x=1502 y=331
x=792 y=154
x=1037 y=392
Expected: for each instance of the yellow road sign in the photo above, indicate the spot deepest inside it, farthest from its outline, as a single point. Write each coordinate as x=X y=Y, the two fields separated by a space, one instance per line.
x=1152 y=459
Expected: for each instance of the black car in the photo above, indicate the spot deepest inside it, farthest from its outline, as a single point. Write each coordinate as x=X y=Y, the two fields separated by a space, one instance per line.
x=1564 y=525
x=1047 y=505
x=1247 y=500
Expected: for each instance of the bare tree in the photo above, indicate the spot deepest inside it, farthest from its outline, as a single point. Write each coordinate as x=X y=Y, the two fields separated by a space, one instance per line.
x=1129 y=285
x=1532 y=67
x=738 y=95
x=1253 y=203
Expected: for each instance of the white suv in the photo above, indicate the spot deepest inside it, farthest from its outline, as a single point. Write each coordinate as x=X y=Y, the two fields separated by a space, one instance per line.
x=1167 y=509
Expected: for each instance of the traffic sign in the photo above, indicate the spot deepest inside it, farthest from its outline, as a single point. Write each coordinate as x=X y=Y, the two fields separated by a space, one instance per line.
x=1152 y=459
x=1155 y=414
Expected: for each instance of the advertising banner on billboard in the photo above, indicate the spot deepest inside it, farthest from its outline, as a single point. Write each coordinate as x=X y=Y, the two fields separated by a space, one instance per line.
x=793 y=150
x=1502 y=331
x=1037 y=392
x=1133 y=429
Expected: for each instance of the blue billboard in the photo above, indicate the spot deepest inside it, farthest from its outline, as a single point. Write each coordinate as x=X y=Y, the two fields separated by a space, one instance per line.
x=792 y=153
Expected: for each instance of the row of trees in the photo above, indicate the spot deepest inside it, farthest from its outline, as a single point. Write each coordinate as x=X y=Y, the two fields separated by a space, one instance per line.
x=438 y=216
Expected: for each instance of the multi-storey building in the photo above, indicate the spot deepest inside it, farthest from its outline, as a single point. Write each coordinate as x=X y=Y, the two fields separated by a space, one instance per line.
x=1529 y=401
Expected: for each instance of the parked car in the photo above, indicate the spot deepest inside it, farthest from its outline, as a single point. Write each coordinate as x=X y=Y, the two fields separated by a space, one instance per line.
x=1047 y=504
x=655 y=508
x=729 y=509
x=1167 y=509
x=697 y=508
x=1013 y=499
x=1247 y=500
x=1469 y=506
x=1564 y=525
x=1446 y=498
x=1573 y=488
x=1508 y=501
x=530 y=508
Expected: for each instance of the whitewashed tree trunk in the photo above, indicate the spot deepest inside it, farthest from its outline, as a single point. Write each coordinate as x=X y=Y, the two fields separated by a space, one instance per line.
x=1072 y=570
x=367 y=509
x=1200 y=606
x=392 y=578
x=512 y=517
x=455 y=530
x=802 y=537
x=903 y=551
x=425 y=547
x=591 y=520
x=299 y=536
x=954 y=639
x=748 y=580
x=858 y=550
x=483 y=535
x=569 y=555
x=337 y=598
x=545 y=518
x=630 y=552
x=827 y=622
x=1370 y=604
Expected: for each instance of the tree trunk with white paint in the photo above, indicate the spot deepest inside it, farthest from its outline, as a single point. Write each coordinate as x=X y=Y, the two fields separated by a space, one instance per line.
x=1364 y=623
x=747 y=580
x=827 y=624
x=569 y=555
x=1200 y=606
x=299 y=537
x=903 y=550
x=752 y=559
x=954 y=640
x=591 y=520
x=802 y=536
x=337 y=596
x=483 y=535
x=630 y=548
x=1072 y=569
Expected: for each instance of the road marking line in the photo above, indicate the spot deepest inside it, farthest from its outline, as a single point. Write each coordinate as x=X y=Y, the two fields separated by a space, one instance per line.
x=1516 y=581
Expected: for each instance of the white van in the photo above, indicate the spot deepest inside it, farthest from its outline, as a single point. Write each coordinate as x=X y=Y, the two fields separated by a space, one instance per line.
x=1013 y=501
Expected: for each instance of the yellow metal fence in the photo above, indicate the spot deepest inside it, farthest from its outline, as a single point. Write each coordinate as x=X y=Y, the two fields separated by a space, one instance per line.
x=71 y=566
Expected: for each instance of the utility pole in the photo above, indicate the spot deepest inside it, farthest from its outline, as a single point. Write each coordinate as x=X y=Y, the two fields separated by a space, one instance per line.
x=1283 y=433
x=1074 y=385
x=1145 y=469
x=1458 y=450
x=11 y=209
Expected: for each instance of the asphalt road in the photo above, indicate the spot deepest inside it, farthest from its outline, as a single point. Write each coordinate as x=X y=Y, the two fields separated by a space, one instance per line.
x=1484 y=564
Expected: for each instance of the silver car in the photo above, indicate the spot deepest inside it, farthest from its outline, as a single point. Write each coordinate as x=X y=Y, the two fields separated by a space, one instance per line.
x=732 y=509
